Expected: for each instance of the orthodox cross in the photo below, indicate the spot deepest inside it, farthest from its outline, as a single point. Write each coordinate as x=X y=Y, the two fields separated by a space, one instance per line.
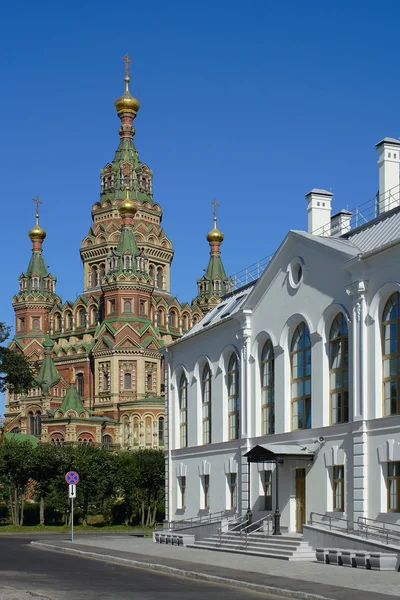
x=215 y=207
x=38 y=201
x=127 y=63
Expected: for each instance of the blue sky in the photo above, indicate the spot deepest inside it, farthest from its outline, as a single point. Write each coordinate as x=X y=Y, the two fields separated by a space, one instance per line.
x=254 y=103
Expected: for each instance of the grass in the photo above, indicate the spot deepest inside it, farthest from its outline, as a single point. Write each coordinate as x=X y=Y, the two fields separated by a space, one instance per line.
x=61 y=528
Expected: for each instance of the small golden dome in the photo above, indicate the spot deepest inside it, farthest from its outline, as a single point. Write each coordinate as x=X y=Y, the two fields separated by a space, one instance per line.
x=215 y=235
x=127 y=207
x=126 y=102
x=37 y=233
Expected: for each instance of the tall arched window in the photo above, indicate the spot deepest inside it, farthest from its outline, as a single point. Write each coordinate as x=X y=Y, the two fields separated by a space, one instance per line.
x=391 y=356
x=107 y=441
x=126 y=431
x=206 y=403
x=183 y=384
x=233 y=397
x=161 y=431
x=172 y=318
x=80 y=384
x=148 y=431
x=57 y=322
x=136 y=431
x=300 y=354
x=82 y=318
x=159 y=280
x=267 y=389
x=127 y=381
x=339 y=370
x=35 y=423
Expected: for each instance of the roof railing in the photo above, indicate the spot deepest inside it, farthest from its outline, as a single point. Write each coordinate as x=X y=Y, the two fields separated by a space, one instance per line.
x=363 y=213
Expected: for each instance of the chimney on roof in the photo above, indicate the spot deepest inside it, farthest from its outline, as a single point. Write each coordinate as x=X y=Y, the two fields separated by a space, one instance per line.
x=389 y=174
x=340 y=223
x=319 y=212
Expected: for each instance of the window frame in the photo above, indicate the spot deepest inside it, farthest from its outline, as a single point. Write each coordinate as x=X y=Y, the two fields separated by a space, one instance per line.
x=206 y=492
x=233 y=491
x=299 y=354
x=267 y=374
x=206 y=404
x=232 y=377
x=396 y=480
x=183 y=412
x=338 y=488
x=341 y=373
x=391 y=381
x=267 y=489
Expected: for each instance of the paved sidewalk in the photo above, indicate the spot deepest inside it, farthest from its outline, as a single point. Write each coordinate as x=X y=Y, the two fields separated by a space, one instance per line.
x=301 y=579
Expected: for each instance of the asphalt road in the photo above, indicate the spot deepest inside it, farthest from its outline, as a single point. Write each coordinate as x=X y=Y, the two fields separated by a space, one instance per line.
x=63 y=577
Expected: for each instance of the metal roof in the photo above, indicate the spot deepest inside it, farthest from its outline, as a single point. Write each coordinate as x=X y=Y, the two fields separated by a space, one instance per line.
x=271 y=452
x=376 y=233
x=228 y=306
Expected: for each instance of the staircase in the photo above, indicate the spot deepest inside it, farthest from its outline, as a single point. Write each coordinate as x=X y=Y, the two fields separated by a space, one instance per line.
x=258 y=543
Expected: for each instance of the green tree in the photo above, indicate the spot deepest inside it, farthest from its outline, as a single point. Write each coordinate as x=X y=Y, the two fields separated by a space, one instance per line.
x=97 y=469
x=46 y=467
x=15 y=472
x=150 y=465
x=15 y=370
x=127 y=482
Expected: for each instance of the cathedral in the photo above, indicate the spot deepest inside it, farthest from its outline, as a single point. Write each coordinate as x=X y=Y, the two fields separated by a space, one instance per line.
x=97 y=360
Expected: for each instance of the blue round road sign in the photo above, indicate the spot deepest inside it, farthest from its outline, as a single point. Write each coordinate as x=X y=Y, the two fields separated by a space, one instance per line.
x=72 y=477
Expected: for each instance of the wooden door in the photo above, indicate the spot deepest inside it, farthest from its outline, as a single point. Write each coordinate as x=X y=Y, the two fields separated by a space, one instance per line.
x=300 y=499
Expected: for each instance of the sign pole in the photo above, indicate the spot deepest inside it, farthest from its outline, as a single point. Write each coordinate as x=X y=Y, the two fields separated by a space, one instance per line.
x=72 y=519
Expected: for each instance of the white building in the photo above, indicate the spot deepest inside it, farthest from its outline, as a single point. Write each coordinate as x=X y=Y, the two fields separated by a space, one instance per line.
x=305 y=363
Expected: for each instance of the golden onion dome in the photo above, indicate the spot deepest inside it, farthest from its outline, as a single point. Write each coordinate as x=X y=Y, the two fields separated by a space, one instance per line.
x=215 y=235
x=127 y=207
x=37 y=233
x=126 y=102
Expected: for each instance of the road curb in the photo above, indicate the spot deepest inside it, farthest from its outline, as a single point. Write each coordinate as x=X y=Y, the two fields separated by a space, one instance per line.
x=182 y=572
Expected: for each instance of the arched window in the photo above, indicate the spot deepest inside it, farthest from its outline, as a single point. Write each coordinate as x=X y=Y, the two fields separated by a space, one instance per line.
x=35 y=323
x=151 y=271
x=183 y=384
x=69 y=320
x=127 y=261
x=149 y=381
x=267 y=389
x=35 y=423
x=206 y=403
x=95 y=277
x=80 y=384
x=95 y=316
x=161 y=431
x=127 y=306
x=127 y=381
x=391 y=356
x=107 y=441
x=185 y=322
x=172 y=318
x=126 y=432
x=136 y=431
x=160 y=317
x=148 y=431
x=102 y=271
x=106 y=381
x=300 y=354
x=159 y=280
x=339 y=370
x=82 y=318
x=233 y=397
x=57 y=440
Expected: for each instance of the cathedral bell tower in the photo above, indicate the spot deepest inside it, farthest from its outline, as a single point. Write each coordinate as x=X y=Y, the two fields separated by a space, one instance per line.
x=37 y=289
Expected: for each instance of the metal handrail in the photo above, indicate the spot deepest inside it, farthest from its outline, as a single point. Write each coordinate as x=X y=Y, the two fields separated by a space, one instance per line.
x=360 y=527
x=238 y=523
x=248 y=529
x=196 y=521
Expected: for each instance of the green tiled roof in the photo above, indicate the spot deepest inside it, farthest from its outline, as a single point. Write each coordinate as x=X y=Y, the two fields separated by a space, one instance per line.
x=22 y=437
x=48 y=373
x=72 y=401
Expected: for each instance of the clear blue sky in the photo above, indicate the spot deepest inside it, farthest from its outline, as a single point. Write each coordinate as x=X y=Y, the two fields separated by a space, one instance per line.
x=252 y=102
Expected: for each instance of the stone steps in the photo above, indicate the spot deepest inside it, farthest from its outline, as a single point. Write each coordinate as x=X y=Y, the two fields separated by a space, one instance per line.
x=259 y=544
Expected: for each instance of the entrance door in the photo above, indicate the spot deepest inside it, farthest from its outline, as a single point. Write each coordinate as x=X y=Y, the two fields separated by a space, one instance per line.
x=300 y=499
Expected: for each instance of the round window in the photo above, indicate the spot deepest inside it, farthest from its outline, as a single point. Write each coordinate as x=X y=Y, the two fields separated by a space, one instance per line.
x=295 y=272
